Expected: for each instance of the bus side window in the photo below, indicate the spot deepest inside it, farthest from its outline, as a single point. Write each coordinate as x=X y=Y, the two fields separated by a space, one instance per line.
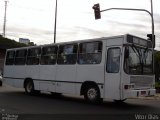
x=33 y=57
x=113 y=60
x=20 y=58
x=90 y=53
x=10 y=57
x=49 y=55
x=67 y=54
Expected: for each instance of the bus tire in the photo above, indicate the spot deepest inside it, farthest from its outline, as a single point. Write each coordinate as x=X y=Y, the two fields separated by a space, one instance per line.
x=0 y=83
x=92 y=94
x=29 y=87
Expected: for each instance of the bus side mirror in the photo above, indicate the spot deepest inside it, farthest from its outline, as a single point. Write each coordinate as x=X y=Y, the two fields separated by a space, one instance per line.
x=126 y=53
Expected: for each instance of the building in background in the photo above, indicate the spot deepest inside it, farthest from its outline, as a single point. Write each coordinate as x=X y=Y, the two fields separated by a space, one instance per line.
x=24 y=40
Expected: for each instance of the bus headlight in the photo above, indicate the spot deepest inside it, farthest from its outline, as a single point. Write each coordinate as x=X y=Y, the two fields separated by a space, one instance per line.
x=129 y=86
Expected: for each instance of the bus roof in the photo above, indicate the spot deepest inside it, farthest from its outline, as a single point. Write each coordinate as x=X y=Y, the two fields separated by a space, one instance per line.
x=76 y=41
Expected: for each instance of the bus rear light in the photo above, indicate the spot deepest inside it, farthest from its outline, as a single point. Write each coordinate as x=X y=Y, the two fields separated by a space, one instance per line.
x=130 y=86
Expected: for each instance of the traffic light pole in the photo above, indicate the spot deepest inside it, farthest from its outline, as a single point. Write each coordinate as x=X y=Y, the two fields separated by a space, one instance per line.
x=153 y=36
x=143 y=10
x=55 y=23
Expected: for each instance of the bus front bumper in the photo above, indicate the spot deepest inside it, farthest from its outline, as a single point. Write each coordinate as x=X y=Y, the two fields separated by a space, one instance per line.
x=139 y=93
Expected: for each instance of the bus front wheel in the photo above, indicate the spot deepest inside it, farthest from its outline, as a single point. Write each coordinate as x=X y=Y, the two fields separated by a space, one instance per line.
x=92 y=94
x=29 y=87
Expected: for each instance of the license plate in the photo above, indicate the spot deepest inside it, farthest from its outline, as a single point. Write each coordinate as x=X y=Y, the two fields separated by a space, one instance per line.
x=143 y=92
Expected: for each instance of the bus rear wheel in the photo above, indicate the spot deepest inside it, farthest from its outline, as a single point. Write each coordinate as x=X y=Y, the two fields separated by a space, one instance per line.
x=29 y=87
x=92 y=94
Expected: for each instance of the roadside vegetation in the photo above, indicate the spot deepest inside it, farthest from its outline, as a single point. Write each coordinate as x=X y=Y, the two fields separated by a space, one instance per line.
x=8 y=43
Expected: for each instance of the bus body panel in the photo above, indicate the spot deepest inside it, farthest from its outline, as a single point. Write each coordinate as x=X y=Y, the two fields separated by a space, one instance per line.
x=66 y=77
x=47 y=78
x=15 y=75
x=90 y=73
x=32 y=71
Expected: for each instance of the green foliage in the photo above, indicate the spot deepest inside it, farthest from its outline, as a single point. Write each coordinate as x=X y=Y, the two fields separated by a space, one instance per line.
x=157 y=65
x=157 y=85
x=157 y=56
x=8 y=43
x=31 y=44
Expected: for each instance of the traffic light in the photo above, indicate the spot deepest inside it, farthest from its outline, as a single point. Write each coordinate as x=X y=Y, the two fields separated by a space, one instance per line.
x=97 y=11
x=150 y=38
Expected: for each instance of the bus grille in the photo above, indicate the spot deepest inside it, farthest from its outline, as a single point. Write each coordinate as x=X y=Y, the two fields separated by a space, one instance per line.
x=142 y=81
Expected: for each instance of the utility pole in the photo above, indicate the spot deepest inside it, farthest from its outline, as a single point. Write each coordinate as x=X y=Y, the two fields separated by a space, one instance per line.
x=5 y=14
x=153 y=36
x=55 y=23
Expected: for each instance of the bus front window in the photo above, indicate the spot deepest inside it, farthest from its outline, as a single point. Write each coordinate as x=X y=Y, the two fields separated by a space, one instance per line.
x=138 y=61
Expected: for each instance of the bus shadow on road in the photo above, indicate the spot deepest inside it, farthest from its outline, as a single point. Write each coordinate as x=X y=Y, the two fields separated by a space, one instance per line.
x=137 y=104
x=131 y=104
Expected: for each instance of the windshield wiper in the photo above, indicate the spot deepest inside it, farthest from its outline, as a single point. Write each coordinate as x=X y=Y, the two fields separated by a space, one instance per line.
x=140 y=56
x=137 y=52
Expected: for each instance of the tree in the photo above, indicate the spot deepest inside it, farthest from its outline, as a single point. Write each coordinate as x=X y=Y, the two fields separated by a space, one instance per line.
x=31 y=44
x=8 y=43
x=157 y=65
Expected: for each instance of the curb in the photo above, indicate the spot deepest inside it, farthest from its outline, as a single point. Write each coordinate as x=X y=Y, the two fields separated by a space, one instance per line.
x=156 y=97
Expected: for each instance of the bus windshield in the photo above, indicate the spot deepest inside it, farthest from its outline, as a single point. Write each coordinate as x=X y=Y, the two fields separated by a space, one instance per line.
x=138 y=61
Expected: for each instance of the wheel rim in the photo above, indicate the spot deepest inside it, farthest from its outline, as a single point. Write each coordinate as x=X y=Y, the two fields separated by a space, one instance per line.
x=92 y=94
x=29 y=87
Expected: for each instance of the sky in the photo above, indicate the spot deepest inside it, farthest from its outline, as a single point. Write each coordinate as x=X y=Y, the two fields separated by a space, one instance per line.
x=34 y=19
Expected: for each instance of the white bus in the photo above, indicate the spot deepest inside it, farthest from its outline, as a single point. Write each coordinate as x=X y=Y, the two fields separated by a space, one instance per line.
x=115 y=68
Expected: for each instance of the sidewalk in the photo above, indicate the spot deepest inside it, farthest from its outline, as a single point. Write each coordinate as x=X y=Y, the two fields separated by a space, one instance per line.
x=156 y=97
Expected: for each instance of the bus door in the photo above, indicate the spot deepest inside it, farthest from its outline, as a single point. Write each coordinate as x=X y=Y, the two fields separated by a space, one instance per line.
x=112 y=73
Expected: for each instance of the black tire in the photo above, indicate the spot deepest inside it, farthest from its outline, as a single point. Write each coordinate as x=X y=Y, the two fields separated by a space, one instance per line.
x=0 y=83
x=92 y=94
x=29 y=87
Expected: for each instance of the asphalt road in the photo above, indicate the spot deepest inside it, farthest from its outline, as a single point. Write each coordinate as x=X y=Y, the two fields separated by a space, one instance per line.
x=14 y=103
